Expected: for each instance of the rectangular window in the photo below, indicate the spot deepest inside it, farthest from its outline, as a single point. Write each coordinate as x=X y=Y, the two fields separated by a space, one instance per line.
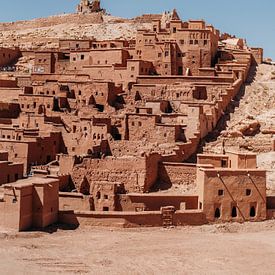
x=224 y=163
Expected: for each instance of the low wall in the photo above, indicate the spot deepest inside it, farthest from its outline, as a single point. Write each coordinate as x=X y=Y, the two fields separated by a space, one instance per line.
x=73 y=201
x=152 y=202
x=129 y=219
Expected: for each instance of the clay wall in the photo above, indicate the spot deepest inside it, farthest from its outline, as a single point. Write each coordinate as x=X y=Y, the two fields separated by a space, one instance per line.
x=182 y=79
x=74 y=44
x=173 y=174
x=8 y=109
x=257 y=55
x=214 y=160
x=41 y=104
x=44 y=62
x=129 y=219
x=232 y=195
x=6 y=83
x=153 y=202
x=45 y=203
x=10 y=172
x=8 y=56
x=242 y=160
x=73 y=201
x=29 y=203
x=16 y=208
x=131 y=172
x=146 y=127
x=32 y=151
x=10 y=95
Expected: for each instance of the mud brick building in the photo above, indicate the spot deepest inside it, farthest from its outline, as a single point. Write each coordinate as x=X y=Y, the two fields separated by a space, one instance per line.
x=119 y=121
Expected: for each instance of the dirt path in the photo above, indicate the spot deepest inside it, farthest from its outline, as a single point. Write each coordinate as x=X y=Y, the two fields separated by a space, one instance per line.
x=214 y=249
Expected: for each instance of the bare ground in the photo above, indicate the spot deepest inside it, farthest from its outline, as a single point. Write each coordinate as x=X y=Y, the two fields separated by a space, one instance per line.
x=212 y=249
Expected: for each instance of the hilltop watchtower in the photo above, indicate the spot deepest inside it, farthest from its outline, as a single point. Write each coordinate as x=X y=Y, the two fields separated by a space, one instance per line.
x=87 y=6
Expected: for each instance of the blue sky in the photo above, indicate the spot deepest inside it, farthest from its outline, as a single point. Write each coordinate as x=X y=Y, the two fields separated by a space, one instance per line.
x=251 y=19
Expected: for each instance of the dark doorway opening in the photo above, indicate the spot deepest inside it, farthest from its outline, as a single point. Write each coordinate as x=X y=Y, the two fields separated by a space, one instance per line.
x=217 y=213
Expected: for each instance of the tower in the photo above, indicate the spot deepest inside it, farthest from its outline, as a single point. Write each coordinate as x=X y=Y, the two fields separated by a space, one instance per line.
x=86 y=6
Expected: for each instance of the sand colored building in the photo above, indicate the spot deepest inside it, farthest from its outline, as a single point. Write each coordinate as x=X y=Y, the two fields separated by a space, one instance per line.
x=233 y=189
x=30 y=203
x=115 y=121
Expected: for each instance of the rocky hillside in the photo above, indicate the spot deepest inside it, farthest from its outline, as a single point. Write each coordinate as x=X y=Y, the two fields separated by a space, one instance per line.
x=45 y=32
x=249 y=124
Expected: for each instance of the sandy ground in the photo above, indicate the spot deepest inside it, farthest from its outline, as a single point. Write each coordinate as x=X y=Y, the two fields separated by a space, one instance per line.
x=211 y=249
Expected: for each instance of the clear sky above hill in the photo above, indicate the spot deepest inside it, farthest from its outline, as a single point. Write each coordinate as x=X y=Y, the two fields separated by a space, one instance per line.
x=251 y=19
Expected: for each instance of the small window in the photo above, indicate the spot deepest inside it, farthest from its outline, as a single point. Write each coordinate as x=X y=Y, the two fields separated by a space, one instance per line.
x=139 y=123
x=132 y=68
x=166 y=53
x=221 y=192
x=106 y=197
x=224 y=163
x=174 y=30
x=105 y=208
x=248 y=192
x=82 y=57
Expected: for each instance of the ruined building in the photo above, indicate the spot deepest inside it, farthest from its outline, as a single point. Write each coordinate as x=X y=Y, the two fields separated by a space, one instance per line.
x=87 y=6
x=117 y=124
